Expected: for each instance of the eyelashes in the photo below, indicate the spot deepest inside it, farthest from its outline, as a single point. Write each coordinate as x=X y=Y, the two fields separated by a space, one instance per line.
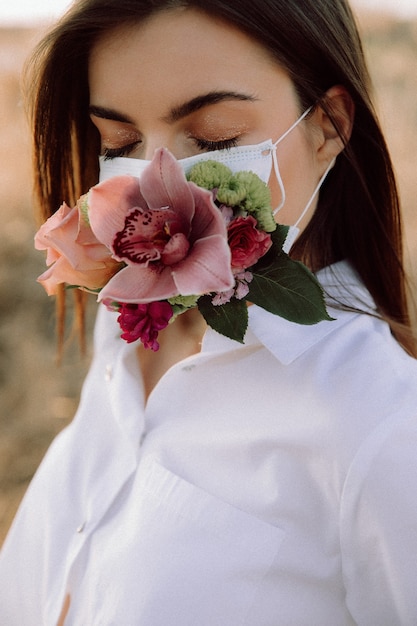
x=202 y=144
x=113 y=153
x=209 y=146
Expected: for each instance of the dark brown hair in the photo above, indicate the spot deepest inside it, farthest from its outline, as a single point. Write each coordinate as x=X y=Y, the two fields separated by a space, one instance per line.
x=317 y=42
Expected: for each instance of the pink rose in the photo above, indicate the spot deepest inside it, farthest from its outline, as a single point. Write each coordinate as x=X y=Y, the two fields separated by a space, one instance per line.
x=74 y=254
x=167 y=231
x=144 y=321
x=247 y=243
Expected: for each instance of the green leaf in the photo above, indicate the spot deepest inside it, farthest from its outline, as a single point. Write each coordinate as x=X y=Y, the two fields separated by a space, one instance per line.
x=278 y=238
x=230 y=319
x=288 y=289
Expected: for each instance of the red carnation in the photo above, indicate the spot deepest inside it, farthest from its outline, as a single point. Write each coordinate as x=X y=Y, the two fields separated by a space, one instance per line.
x=144 y=321
x=247 y=243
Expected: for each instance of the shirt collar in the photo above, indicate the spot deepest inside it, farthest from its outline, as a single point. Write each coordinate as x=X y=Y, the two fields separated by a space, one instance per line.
x=288 y=340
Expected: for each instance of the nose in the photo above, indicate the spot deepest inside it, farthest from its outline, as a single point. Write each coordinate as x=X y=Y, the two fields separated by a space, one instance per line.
x=150 y=147
x=169 y=140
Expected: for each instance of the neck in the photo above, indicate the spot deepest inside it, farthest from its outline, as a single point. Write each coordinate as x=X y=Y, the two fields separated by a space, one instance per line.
x=179 y=340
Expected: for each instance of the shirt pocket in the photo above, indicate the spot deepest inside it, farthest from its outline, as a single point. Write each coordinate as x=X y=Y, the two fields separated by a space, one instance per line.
x=189 y=557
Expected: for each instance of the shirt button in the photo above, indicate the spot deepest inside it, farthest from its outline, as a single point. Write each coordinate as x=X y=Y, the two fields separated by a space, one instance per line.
x=109 y=373
x=81 y=528
x=188 y=368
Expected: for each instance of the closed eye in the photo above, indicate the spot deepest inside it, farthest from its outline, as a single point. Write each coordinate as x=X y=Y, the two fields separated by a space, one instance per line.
x=210 y=146
x=113 y=153
x=202 y=144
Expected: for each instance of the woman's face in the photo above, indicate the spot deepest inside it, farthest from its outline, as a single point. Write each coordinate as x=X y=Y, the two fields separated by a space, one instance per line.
x=192 y=84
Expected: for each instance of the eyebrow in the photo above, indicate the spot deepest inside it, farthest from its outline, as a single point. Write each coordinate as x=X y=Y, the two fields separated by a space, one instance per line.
x=213 y=97
x=109 y=114
x=179 y=112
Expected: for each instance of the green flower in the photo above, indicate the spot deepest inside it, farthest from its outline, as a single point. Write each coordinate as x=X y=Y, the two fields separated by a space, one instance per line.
x=233 y=193
x=249 y=193
x=210 y=174
x=244 y=191
x=257 y=200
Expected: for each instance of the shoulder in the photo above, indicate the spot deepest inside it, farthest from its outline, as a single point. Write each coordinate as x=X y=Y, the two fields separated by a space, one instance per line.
x=347 y=377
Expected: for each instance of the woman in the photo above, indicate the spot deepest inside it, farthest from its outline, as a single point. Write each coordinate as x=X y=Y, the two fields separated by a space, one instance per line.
x=210 y=482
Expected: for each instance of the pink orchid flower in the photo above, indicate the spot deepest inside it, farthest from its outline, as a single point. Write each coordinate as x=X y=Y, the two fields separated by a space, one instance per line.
x=168 y=232
x=74 y=255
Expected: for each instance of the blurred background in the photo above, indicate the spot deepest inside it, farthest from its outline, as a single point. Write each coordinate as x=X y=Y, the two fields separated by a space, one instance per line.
x=38 y=397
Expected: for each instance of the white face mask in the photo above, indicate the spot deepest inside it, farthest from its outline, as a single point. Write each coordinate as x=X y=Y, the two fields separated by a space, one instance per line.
x=256 y=158
x=260 y=159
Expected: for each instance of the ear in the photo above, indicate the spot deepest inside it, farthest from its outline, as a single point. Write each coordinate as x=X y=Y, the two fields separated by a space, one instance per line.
x=333 y=118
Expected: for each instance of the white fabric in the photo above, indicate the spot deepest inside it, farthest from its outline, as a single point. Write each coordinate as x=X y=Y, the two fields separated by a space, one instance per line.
x=270 y=484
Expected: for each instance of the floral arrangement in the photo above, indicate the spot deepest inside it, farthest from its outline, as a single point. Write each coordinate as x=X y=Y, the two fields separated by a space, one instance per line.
x=155 y=247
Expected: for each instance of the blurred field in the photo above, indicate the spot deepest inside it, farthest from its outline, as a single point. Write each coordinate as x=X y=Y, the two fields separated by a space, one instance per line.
x=36 y=397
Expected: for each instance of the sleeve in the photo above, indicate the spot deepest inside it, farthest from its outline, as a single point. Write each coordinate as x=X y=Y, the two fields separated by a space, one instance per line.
x=379 y=527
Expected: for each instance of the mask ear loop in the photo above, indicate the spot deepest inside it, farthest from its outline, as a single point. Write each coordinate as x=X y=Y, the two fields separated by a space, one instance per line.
x=275 y=159
x=316 y=190
x=279 y=179
x=294 y=230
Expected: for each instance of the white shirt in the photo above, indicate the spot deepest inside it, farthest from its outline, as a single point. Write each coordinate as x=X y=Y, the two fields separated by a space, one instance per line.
x=266 y=484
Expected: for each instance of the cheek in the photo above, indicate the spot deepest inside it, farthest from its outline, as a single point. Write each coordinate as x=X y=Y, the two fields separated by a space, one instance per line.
x=276 y=193
x=296 y=166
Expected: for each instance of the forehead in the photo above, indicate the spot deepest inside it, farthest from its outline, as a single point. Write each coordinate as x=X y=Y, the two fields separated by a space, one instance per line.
x=179 y=53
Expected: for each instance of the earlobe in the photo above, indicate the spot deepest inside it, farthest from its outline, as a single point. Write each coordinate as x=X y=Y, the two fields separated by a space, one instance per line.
x=334 y=115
